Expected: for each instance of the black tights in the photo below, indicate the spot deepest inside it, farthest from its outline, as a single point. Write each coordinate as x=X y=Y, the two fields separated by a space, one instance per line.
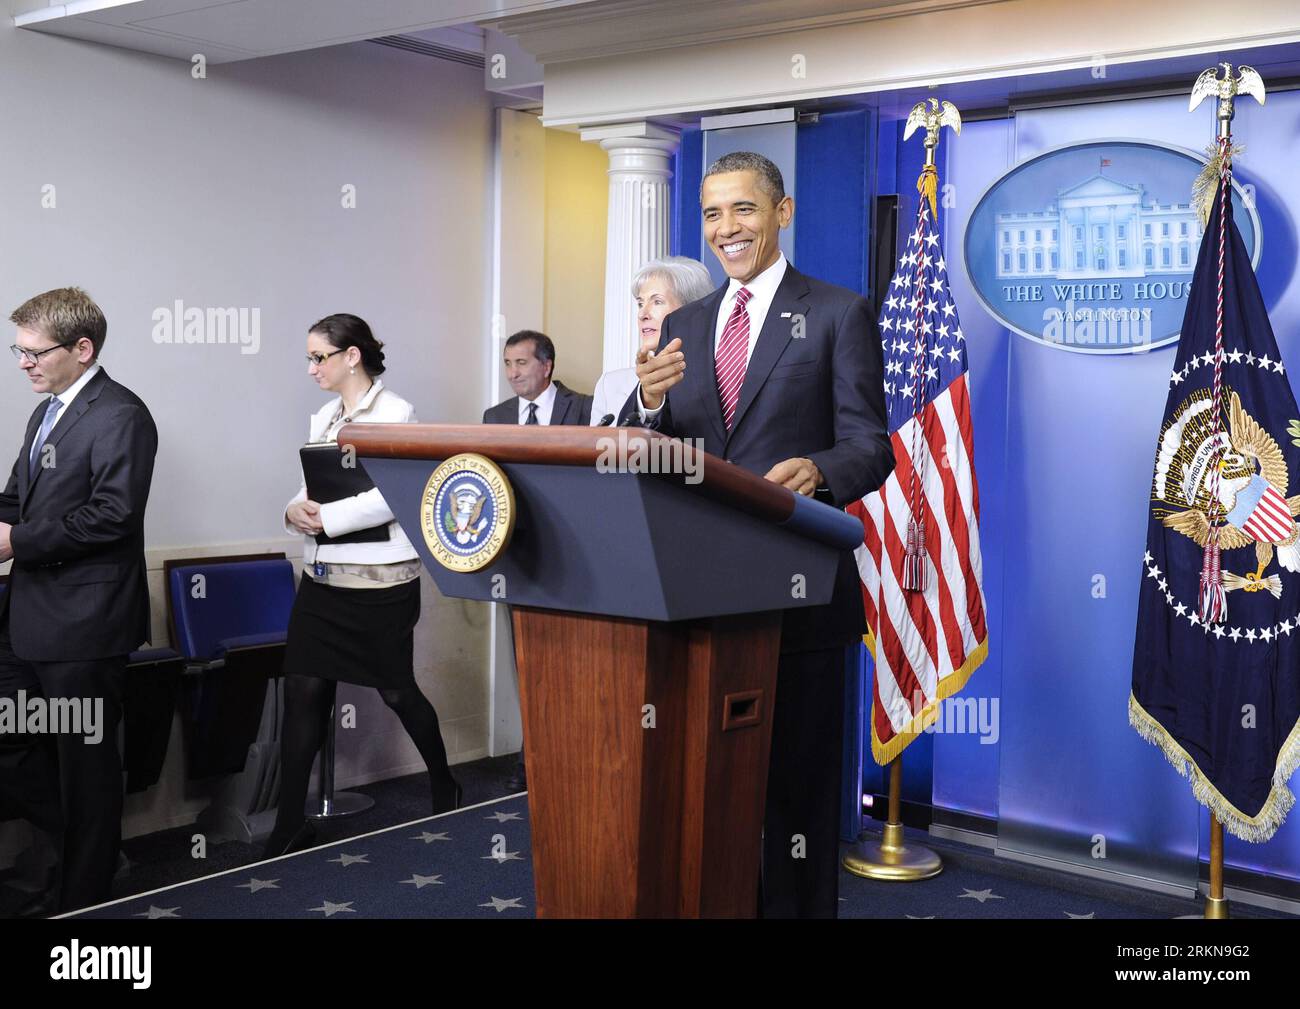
x=307 y=704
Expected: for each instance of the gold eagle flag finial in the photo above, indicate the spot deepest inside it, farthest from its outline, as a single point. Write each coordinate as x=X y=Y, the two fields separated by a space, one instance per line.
x=936 y=117
x=1226 y=88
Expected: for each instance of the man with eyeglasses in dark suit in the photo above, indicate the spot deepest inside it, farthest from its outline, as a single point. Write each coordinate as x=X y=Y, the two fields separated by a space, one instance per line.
x=72 y=522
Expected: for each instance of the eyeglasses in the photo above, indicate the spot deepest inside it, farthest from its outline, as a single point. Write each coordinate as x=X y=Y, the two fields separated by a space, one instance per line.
x=319 y=359
x=35 y=355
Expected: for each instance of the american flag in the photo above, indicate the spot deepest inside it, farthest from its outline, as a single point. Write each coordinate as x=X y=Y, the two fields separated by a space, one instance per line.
x=926 y=640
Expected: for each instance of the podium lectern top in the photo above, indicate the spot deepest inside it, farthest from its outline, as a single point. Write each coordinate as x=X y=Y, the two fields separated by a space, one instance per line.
x=618 y=522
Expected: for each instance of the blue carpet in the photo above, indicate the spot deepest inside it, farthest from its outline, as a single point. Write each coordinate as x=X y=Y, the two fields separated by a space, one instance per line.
x=477 y=863
x=473 y=863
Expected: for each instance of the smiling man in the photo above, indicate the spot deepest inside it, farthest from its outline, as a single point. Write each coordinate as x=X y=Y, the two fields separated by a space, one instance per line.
x=529 y=363
x=782 y=374
x=72 y=521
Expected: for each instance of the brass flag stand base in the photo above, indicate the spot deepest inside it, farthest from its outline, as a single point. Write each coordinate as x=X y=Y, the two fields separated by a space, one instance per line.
x=890 y=858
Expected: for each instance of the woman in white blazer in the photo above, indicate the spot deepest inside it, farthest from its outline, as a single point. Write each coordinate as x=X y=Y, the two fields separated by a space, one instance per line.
x=358 y=602
x=659 y=287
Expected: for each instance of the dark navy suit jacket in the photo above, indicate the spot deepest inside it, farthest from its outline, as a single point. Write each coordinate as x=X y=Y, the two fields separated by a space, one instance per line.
x=78 y=589
x=814 y=387
x=570 y=408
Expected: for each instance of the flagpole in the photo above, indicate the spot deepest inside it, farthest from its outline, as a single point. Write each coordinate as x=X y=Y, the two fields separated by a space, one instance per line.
x=1216 y=906
x=890 y=858
x=1217 y=177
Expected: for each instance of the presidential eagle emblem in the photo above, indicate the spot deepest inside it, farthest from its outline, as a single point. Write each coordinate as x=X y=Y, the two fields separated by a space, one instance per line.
x=467 y=512
x=1253 y=507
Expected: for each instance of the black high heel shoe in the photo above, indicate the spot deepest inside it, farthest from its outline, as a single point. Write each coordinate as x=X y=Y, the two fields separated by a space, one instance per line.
x=445 y=800
x=302 y=838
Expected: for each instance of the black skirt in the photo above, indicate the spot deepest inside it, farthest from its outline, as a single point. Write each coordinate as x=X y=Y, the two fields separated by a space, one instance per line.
x=363 y=636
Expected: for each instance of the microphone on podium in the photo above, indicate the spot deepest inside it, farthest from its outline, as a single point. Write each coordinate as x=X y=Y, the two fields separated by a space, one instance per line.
x=606 y=420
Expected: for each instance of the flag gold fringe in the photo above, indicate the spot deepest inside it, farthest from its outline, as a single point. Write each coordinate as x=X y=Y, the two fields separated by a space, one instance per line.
x=949 y=685
x=1256 y=829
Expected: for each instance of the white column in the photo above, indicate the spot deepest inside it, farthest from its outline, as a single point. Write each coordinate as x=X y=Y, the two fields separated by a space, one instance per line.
x=640 y=165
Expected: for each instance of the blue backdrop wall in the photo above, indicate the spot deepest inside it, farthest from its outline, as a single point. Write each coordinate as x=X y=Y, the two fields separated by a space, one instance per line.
x=1064 y=445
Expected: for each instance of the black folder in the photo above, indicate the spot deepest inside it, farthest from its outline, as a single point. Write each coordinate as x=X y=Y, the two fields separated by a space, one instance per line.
x=328 y=480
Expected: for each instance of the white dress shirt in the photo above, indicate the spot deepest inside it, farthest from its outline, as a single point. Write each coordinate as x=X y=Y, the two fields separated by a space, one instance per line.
x=362 y=511
x=70 y=393
x=545 y=405
x=612 y=390
x=762 y=291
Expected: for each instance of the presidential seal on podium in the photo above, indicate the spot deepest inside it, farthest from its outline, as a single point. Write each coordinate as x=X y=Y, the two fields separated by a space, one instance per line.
x=467 y=512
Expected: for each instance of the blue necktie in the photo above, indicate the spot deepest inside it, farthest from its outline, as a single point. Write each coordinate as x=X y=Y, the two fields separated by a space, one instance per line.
x=51 y=415
x=532 y=414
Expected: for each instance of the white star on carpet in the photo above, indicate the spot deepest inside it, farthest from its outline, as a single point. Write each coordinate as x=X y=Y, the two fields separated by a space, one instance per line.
x=1090 y=914
x=501 y=905
x=503 y=817
x=346 y=859
x=254 y=884
x=980 y=895
x=420 y=882
x=429 y=838
x=158 y=912
x=505 y=856
x=331 y=909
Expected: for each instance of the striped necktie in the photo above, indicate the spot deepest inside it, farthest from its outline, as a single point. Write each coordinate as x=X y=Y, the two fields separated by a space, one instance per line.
x=732 y=356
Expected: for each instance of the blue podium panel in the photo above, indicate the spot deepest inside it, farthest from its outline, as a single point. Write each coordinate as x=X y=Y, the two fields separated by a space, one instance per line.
x=612 y=548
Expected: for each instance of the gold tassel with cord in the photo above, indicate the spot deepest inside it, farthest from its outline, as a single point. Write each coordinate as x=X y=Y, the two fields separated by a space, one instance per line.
x=928 y=186
x=1207 y=182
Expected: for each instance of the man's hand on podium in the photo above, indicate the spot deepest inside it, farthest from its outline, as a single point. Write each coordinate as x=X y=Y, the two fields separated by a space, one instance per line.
x=658 y=373
x=801 y=475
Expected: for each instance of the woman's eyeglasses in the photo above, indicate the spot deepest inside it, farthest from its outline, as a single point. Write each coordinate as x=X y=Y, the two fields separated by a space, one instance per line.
x=319 y=359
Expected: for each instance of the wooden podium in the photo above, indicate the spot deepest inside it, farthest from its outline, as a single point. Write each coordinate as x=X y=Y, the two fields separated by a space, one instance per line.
x=647 y=619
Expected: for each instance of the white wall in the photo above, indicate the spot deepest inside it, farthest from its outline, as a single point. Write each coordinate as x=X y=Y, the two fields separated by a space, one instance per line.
x=226 y=192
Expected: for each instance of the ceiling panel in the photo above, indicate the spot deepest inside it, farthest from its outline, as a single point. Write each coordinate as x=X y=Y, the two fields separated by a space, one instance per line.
x=225 y=30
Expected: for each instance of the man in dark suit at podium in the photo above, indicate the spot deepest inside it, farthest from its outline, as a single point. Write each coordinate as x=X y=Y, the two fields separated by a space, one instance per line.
x=782 y=374
x=529 y=362
x=72 y=521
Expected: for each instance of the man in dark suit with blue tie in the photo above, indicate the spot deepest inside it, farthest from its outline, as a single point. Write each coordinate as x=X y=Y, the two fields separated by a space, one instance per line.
x=72 y=521
x=782 y=374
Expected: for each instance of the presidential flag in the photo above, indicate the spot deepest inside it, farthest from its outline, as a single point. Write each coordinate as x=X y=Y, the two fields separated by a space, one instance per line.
x=1216 y=665
x=920 y=558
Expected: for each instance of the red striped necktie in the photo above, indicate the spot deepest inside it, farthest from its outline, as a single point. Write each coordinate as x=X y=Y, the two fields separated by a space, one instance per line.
x=732 y=356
